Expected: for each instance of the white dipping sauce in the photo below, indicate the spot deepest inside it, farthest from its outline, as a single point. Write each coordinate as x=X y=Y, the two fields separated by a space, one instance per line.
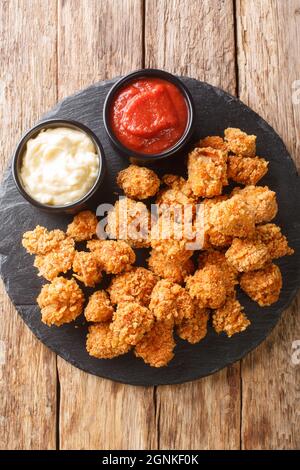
x=59 y=166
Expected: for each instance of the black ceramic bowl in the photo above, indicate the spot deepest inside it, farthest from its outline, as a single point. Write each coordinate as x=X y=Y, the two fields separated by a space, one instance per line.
x=17 y=162
x=137 y=157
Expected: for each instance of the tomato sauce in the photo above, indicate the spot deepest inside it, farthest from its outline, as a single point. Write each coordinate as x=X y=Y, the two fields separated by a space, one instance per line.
x=149 y=115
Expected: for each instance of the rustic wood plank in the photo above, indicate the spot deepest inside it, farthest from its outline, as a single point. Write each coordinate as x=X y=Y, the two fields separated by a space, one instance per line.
x=96 y=413
x=196 y=38
x=268 y=63
x=27 y=88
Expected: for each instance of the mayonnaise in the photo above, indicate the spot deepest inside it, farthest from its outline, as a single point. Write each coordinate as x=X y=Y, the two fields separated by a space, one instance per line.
x=60 y=165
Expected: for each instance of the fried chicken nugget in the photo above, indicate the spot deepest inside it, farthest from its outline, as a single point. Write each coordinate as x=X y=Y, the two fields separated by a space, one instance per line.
x=195 y=328
x=276 y=242
x=263 y=286
x=99 y=342
x=169 y=269
x=138 y=182
x=129 y=221
x=83 y=227
x=217 y=258
x=99 y=307
x=213 y=141
x=40 y=241
x=135 y=285
x=171 y=302
x=177 y=197
x=57 y=261
x=239 y=142
x=86 y=268
x=230 y=318
x=260 y=200
x=247 y=255
x=130 y=322
x=113 y=256
x=212 y=237
x=207 y=171
x=61 y=301
x=246 y=170
x=157 y=346
x=208 y=287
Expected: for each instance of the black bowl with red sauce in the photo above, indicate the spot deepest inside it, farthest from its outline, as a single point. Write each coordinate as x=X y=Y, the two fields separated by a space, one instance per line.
x=149 y=115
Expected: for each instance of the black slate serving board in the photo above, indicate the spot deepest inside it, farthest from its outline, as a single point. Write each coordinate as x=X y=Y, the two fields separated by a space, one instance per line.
x=216 y=110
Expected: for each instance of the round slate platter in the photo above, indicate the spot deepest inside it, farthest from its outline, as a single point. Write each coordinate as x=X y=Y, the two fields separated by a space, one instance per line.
x=216 y=110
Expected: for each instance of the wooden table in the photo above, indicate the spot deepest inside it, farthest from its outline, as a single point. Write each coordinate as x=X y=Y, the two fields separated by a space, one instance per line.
x=50 y=49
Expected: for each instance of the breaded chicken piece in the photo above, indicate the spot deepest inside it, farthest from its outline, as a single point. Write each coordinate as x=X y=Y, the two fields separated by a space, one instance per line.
x=213 y=141
x=260 y=200
x=212 y=237
x=177 y=198
x=86 y=268
x=217 y=258
x=171 y=302
x=173 y=239
x=157 y=346
x=246 y=170
x=99 y=342
x=113 y=256
x=208 y=287
x=83 y=227
x=195 y=328
x=247 y=255
x=57 y=261
x=135 y=285
x=276 y=242
x=138 y=182
x=263 y=286
x=239 y=142
x=129 y=221
x=230 y=318
x=130 y=322
x=232 y=218
x=40 y=241
x=61 y=301
x=207 y=171
x=99 y=307
x=169 y=269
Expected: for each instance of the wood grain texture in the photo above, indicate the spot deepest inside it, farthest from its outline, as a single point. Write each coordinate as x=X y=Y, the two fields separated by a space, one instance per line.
x=96 y=413
x=27 y=87
x=196 y=38
x=268 y=63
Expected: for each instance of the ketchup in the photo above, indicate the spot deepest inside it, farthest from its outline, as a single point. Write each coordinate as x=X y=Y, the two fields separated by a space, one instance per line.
x=149 y=115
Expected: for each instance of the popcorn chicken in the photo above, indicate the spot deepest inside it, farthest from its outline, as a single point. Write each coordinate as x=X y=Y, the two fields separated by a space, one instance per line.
x=86 y=268
x=230 y=318
x=113 y=256
x=138 y=182
x=213 y=141
x=169 y=269
x=207 y=286
x=260 y=200
x=276 y=242
x=195 y=328
x=212 y=237
x=207 y=170
x=157 y=346
x=239 y=142
x=83 y=227
x=130 y=322
x=177 y=198
x=41 y=241
x=60 y=302
x=247 y=255
x=217 y=258
x=246 y=170
x=263 y=286
x=99 y=307
x=100 y=342
x=57 y=261
x=135 y=285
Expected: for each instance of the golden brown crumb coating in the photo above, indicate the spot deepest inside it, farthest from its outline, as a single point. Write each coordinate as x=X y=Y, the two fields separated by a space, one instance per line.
x=114 y=256
x=195 y=328
x=130 y=322
x=247 y=254
x=211 y=236
x=134 y=285
x=263 y=286
x=86 y=268
x=169 y=269
x=61 y=301
x=41 y=241
x=239 y=142
x=260 y=200
x=276 y=242
x=57 y=261
x=100 y=342
x=246 y=170
x=99 y=307
x=177 y=197
x=217 y=258
x=129 y=220
x=213 y=141
x=232 y=218
x=83 y=227
x=157 y=346
x=171 y=302
x=138 y=182
x=207 y=286
x=230 y=318
x=207 y=171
